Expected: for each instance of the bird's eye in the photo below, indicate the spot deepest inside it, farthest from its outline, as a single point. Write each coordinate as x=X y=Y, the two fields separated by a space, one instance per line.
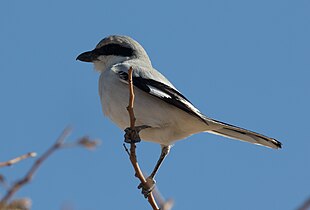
x=115 y=49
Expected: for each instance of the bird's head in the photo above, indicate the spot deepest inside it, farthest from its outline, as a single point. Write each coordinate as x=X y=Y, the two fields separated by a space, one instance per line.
x=113 y=50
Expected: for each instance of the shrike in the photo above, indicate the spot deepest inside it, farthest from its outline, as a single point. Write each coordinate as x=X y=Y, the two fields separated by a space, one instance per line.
x=169 y=115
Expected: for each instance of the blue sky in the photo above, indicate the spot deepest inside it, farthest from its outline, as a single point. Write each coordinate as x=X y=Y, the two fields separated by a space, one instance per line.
x=242 y=62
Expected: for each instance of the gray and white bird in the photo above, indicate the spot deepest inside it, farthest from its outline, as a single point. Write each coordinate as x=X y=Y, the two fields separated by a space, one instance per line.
x=169 y=115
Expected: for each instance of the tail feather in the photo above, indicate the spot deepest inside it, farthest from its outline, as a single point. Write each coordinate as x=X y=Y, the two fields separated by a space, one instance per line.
x=234 y=132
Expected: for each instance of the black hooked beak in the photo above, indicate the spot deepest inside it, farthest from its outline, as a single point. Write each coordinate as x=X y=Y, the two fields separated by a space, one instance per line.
x=88 y=56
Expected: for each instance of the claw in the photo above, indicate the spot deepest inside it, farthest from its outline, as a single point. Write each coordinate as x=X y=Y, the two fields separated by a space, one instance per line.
x=132 y=135
x=147 y=187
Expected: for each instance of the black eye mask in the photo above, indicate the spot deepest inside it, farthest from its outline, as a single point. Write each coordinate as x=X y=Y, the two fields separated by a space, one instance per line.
x=114 y=49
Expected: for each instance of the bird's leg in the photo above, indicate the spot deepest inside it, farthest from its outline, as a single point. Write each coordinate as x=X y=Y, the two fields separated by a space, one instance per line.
x=150 y=181
x=132 y=135
x=164 y=152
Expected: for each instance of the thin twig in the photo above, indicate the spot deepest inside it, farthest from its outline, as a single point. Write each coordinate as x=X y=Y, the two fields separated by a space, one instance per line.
x=27 y=178
x=164 y=204
x=126 y=149
x=306 y=205
x=131 y=100
x=17 y=159
x=133 y=156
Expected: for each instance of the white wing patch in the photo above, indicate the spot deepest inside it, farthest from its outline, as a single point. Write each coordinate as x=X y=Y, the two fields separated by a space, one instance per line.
x=157 y=92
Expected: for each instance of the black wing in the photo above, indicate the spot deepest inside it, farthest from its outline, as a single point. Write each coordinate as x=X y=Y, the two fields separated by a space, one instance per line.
x=165 y=93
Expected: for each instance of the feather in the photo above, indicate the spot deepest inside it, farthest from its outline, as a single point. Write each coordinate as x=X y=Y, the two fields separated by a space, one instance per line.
x=234 y=132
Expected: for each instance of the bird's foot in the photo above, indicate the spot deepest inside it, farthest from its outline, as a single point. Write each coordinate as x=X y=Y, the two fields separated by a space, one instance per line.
x=147 y=187
x=132 y=135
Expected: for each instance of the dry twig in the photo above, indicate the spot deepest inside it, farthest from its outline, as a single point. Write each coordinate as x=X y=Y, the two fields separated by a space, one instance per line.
x=19 y=204
x=132 y=153
x=17 y=159
x=306 y=205
x=27 y=178
x=131 y=100
x=164 y=204
x=60 y=143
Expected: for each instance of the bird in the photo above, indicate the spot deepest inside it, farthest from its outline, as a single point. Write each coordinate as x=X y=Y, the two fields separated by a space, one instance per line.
x=168 y=116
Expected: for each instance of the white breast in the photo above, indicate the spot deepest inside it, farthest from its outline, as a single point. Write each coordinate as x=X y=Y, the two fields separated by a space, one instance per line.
x=168 y=122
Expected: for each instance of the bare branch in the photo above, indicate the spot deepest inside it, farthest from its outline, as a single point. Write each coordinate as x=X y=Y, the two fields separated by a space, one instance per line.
x=29 y=175
x=306 y=205
x=126 y=149
x=132 y=154
x=85 y=142
x=164 y=204
x=88 y=143
x=59 y=144
x=3 y=182
x=131 y=100
x=19 y=204
x=17 y=159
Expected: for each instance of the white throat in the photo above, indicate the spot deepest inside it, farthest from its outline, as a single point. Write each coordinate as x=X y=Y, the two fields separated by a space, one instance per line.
x=106 y=62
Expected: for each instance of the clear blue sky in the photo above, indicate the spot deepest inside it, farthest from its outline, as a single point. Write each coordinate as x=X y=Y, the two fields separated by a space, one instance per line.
x=242 y=62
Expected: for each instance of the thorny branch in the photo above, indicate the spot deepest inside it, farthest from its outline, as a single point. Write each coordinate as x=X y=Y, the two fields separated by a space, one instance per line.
x=132 y=153
x=60 y=143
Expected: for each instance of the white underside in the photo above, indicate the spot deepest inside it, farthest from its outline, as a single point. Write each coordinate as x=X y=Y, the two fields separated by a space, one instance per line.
x=167 y=122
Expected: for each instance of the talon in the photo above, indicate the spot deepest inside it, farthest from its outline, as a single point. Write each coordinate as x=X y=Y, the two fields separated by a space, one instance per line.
x=147 y=187
x=132 y=135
